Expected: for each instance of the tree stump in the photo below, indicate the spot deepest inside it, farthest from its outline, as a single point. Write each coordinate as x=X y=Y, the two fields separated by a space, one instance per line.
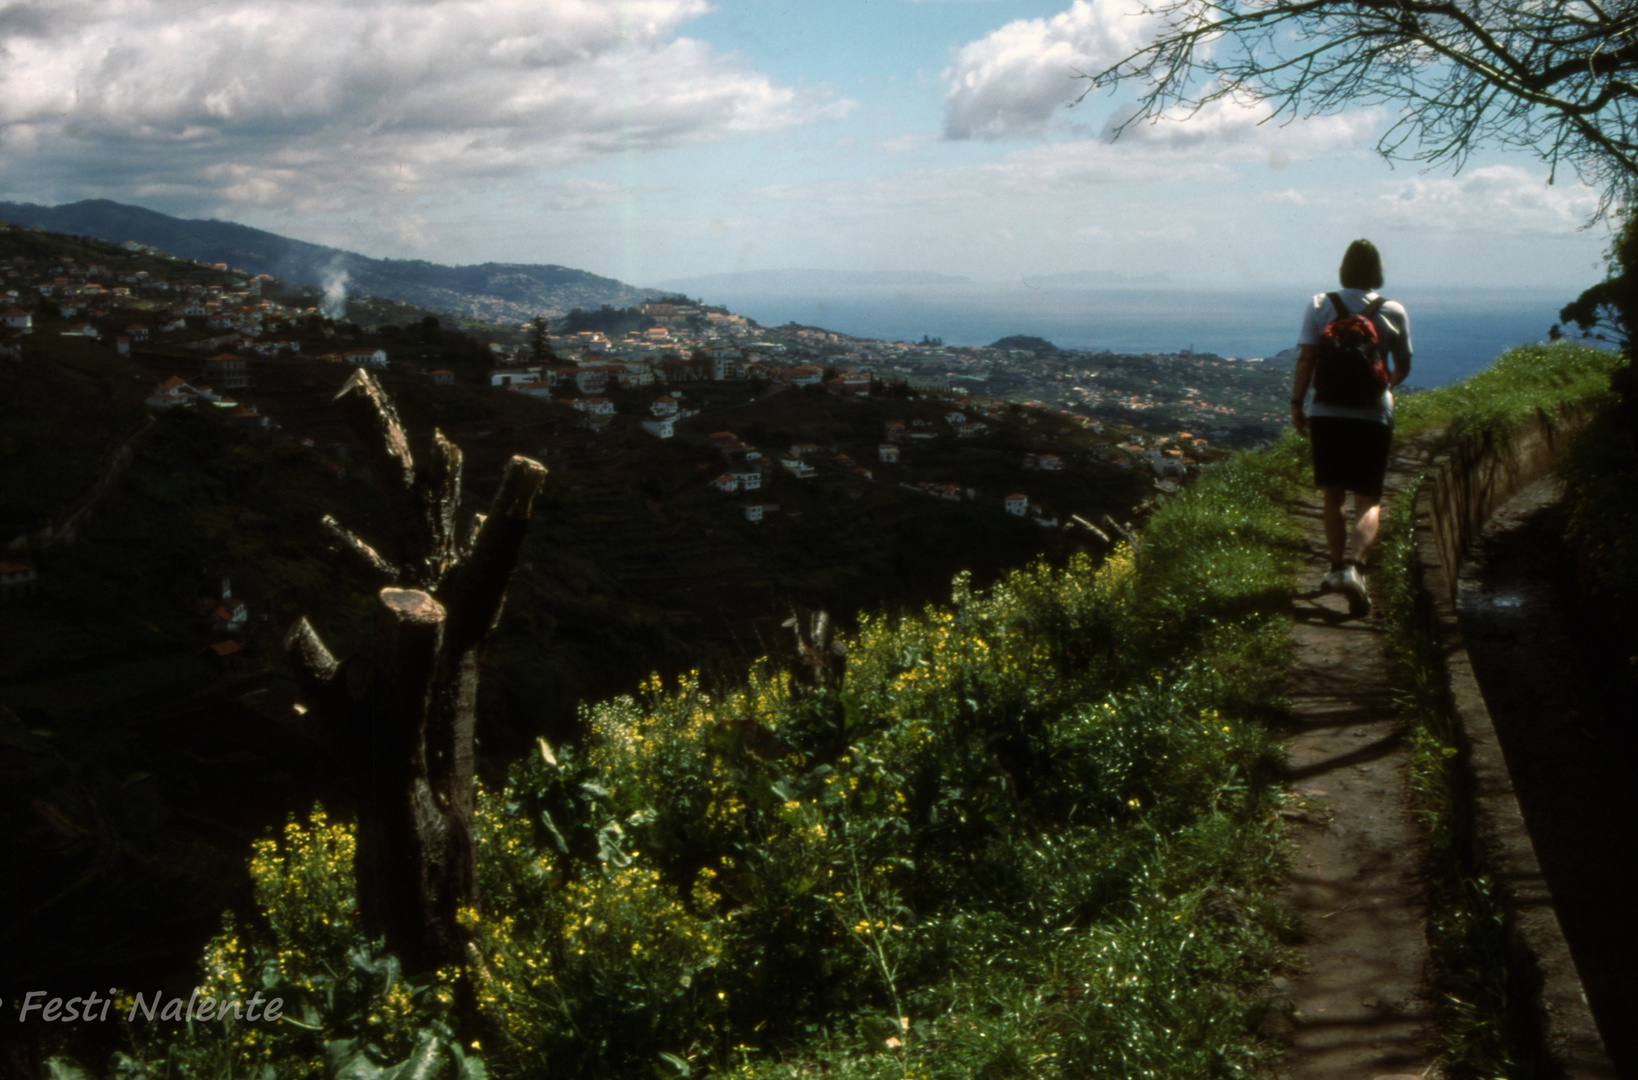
x=402 y=713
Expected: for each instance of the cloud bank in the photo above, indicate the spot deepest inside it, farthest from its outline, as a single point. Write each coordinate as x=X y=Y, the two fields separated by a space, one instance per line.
x=1016 y=80
x=318 y=106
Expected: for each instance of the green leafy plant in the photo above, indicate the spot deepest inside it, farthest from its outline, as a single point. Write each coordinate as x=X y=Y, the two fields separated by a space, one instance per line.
x=1030 y=832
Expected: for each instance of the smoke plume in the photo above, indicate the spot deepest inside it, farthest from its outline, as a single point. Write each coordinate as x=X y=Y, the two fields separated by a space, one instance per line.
x=334 y=305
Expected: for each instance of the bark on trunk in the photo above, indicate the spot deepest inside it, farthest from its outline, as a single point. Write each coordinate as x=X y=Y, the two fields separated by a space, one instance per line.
x=403 y=714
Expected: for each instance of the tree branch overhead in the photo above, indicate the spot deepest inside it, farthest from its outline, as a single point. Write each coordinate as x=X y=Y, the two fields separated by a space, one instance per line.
x=1559 y=80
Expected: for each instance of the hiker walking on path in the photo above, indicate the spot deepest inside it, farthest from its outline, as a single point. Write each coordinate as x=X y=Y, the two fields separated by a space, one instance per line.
x=1346 y=340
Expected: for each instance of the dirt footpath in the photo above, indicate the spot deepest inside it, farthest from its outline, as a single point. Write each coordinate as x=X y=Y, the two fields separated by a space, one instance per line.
x=1361 y=1007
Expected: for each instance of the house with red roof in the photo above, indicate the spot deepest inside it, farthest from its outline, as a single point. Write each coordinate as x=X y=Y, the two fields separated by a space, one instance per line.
x=228 y=371
x=18 y=579
x=229 y=614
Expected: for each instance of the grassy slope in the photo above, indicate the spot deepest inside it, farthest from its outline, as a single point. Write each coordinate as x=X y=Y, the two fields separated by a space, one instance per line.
x=1035 y=822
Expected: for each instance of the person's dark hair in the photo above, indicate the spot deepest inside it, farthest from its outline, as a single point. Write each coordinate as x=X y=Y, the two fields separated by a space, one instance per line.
x=1361 y=266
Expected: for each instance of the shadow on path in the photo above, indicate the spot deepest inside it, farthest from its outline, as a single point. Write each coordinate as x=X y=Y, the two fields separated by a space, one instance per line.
x=1360 y=1005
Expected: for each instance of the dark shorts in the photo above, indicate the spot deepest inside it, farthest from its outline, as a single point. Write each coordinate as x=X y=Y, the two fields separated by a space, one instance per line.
x=1351 y=454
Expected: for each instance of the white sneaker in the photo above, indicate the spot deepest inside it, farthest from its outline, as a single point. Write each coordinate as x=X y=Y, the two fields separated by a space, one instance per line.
x=1353 y=584
x=1333 y=581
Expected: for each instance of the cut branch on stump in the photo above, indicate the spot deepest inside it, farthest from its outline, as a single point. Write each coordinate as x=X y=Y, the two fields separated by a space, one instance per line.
x=403 y=716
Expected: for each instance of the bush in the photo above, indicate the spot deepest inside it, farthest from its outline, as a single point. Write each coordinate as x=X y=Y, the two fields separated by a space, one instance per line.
x=1028 y=832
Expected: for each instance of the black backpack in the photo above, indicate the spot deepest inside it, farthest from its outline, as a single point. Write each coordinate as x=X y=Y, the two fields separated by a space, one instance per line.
x=1348 y=371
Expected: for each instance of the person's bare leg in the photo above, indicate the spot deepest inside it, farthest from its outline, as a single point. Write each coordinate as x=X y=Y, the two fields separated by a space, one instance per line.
x=1335 y=528
x=1367 y=516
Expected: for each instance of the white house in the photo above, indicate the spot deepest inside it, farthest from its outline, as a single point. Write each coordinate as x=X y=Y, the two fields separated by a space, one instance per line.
x=540 y=390
x=595 y=406
x=516 y=376
x=376 y=358
x=1164 y=466
x=888 y=453
x=724 y=362
x=228 y=371
x=592 y=380
x=856 y=383
x=798 y=468
x=1049 y=463
x=171 y=393
x=17 y=319
x=753 y=511
x=1017 y=504
x=725 y=484
x=747 y=479
x=661 y=428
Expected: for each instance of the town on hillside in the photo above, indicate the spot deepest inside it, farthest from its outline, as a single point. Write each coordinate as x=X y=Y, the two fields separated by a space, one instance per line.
x=701 y=415
x=169 y=443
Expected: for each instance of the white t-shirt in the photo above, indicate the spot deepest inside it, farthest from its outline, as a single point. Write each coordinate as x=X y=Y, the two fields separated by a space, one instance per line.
x=1392 y=330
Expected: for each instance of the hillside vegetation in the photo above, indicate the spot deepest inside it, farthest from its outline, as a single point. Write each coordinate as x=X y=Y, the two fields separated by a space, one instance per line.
x=137 y=756
x=1028 y=832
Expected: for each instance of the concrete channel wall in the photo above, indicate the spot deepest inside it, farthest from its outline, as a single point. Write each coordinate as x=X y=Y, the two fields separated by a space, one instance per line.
x=1461 y=490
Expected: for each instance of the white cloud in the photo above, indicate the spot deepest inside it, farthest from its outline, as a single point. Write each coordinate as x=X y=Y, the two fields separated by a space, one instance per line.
x=1017 y=80
x=1496 y=199
x=903 y=144
x=583 y=194
x=315 y=104
x=1247 y=123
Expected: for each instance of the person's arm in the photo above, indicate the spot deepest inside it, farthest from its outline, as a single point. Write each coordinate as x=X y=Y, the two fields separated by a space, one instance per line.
x=1299 y=386
x=1399 y=370
x=1399 y=349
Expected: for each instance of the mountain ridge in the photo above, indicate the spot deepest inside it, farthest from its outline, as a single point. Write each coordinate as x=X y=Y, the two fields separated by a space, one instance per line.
x=501 y=292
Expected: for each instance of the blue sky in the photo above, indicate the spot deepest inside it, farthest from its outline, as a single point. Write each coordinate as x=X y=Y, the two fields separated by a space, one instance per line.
x=655 y=140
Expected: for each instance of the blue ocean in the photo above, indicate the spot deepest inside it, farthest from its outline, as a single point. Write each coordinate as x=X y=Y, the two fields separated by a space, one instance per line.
x=1454 y=332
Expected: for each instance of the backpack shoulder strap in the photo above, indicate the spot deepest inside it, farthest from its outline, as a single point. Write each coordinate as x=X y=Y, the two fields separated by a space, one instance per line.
x=1373 y=310
x=1338 y=309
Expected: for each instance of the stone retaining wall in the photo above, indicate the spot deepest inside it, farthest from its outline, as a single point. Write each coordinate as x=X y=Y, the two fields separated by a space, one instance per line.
x=1461 y=490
